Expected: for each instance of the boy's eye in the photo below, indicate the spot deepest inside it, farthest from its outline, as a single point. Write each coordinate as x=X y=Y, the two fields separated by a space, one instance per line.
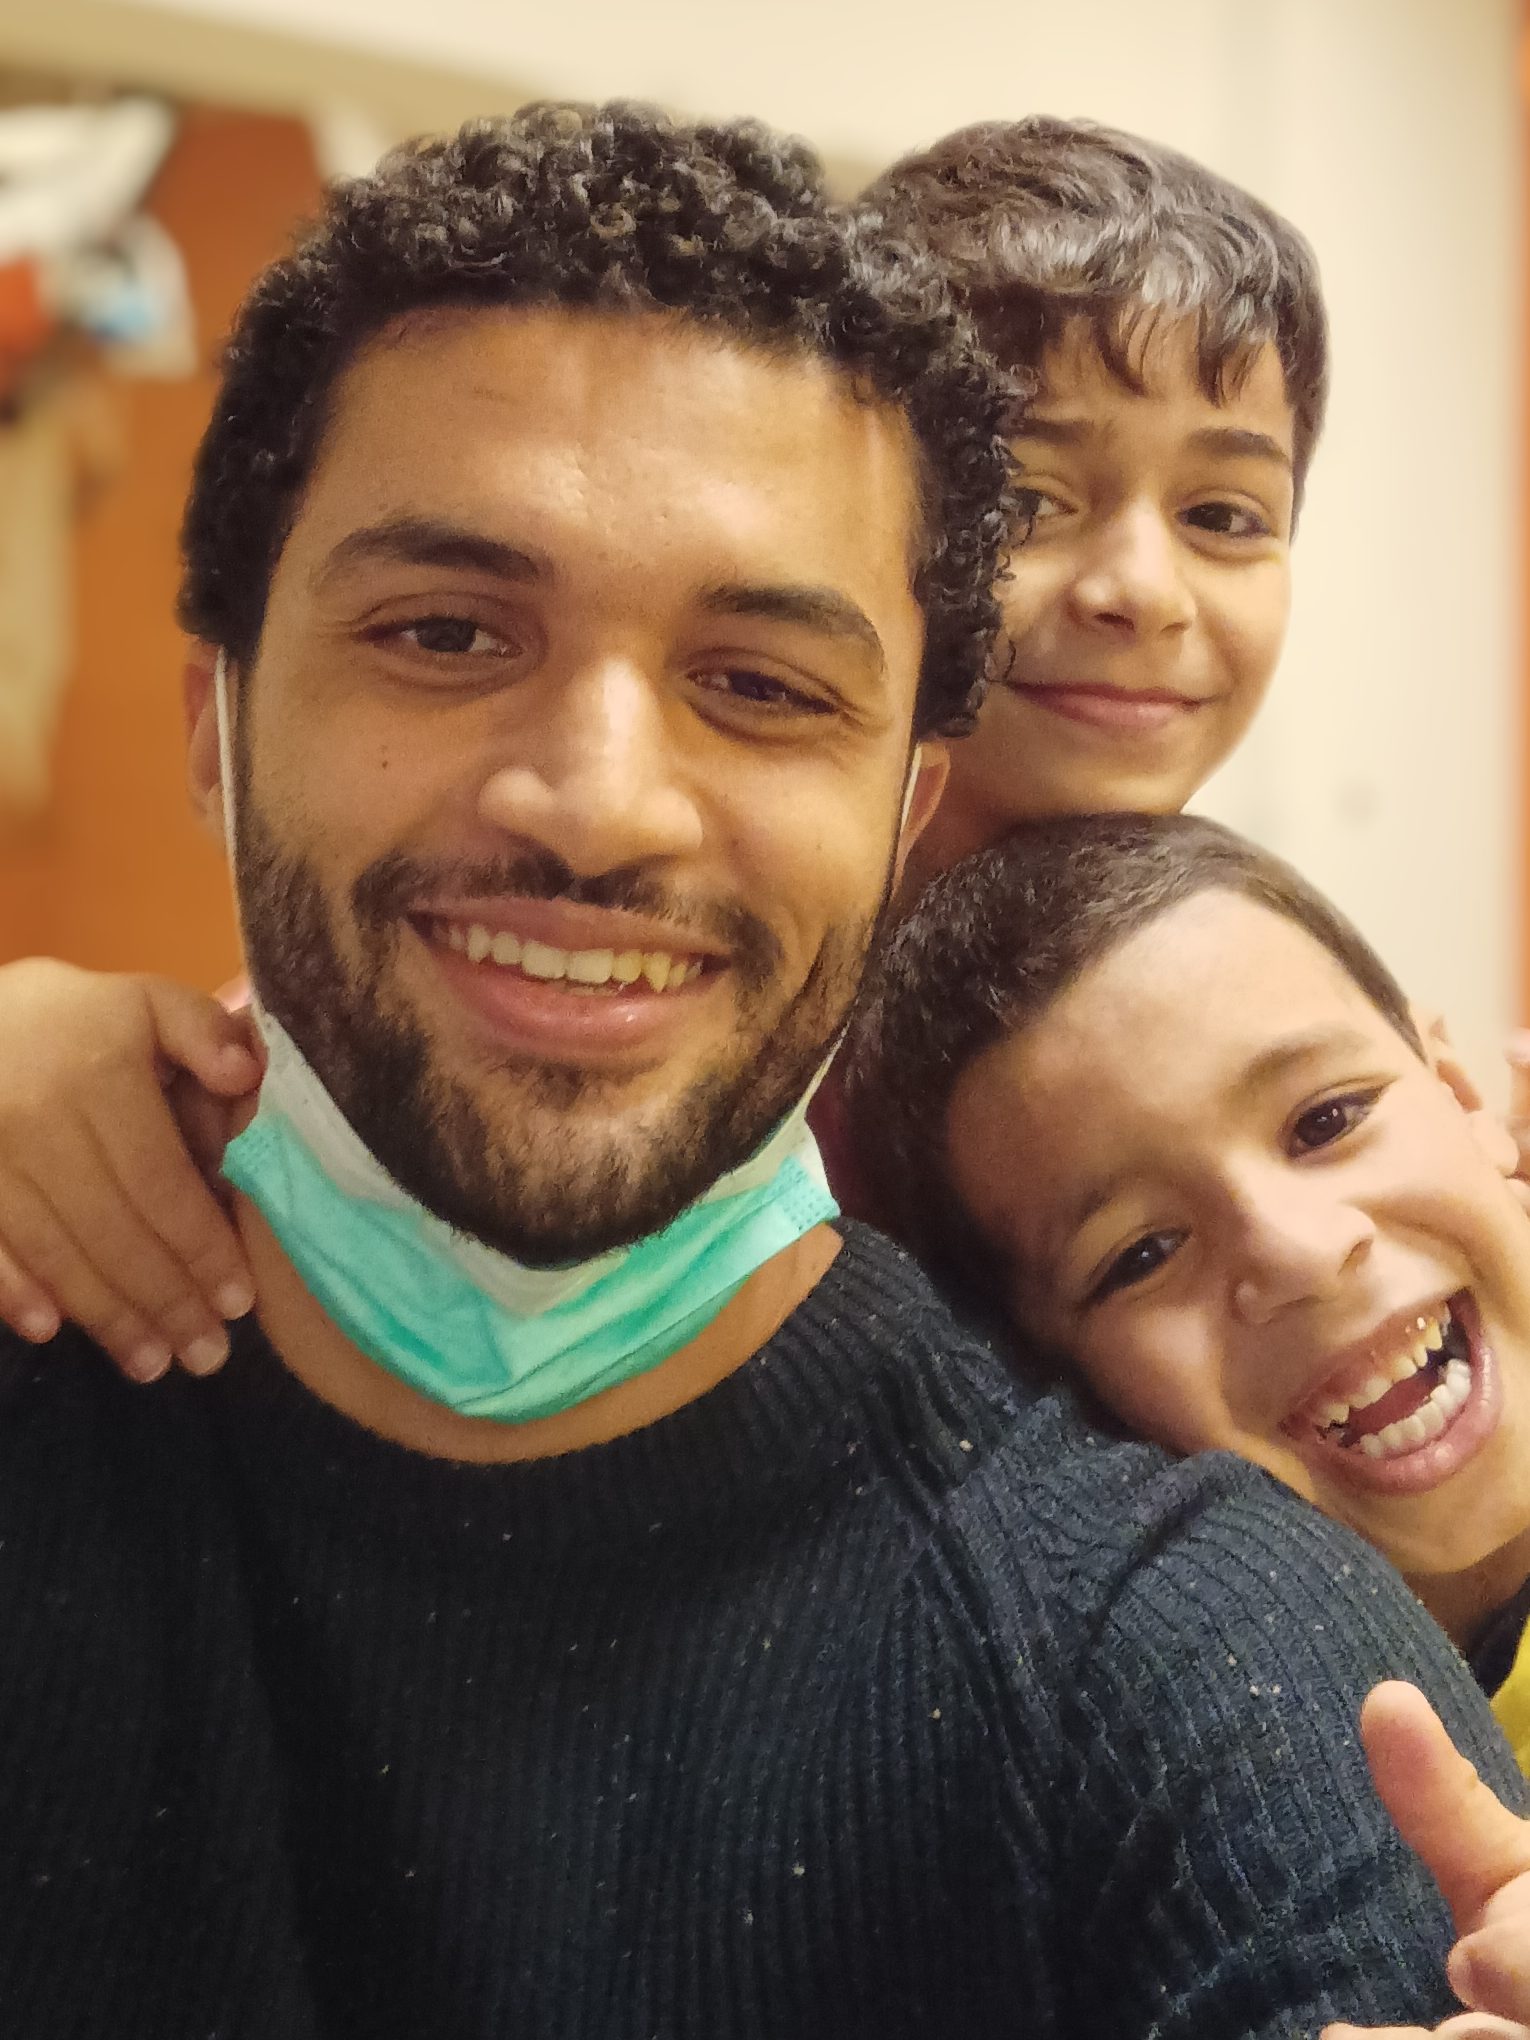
x=1035 y=506
x=1228 y=520
x=1321 y=1125
x=1135 y=1263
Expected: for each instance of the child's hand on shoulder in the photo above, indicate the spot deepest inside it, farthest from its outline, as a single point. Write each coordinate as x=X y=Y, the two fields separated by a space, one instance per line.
x=116 y=1100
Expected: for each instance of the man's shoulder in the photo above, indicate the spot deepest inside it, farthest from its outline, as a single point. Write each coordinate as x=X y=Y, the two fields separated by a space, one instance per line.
x=80 y=1442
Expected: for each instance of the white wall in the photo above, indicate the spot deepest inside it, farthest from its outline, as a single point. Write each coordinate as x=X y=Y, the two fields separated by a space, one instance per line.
x=1385 y=764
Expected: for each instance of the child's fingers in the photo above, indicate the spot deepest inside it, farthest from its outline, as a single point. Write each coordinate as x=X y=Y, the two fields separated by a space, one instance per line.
x=173 y=1203
x=130 y=1257
x=1491 y=1969
x=44 y=1245
x=1465 y=1835
x=1518 y=1053
x=196 y=1034
x=25 y=1305
x=1464 y=2026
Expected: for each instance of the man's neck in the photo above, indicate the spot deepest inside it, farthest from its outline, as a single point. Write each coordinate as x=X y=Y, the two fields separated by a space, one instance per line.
x=320 y=1355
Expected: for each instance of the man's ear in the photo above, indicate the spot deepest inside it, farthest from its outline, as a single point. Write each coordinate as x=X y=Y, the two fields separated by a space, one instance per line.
x=204 y=770
x=931 y=767
x=1492 y=1136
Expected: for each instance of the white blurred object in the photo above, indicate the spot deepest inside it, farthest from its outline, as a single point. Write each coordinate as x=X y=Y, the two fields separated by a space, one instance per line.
x=130 y=294
x=71 y=175
x=347 y=139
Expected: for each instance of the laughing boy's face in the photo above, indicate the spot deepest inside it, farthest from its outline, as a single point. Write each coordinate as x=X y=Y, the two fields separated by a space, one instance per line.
x=1227 y=1188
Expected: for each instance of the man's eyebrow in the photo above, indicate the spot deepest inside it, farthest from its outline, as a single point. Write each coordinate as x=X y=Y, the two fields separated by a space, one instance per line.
x=1241 y=444
x=823 y=610
x=427 y=542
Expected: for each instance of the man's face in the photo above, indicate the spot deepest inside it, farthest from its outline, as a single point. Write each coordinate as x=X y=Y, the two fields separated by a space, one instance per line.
x=572 y=757
x=1258 y=1221
x=1145 y=611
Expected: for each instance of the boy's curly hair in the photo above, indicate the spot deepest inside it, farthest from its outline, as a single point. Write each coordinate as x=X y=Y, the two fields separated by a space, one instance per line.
x=611 y=208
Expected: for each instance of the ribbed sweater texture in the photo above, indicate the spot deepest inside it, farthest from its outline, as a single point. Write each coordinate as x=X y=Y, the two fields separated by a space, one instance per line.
x=870 y=1695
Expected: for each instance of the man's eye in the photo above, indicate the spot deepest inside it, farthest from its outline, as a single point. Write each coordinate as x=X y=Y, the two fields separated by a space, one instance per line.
x=753 y=689
x=1321 y=1125
x=1135 y=1263
x=1228 y=520
x=451 y=637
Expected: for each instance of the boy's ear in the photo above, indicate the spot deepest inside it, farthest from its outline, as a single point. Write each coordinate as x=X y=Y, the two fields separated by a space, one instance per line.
x=931 y=766
x=1493 y=1137
x=204 y=773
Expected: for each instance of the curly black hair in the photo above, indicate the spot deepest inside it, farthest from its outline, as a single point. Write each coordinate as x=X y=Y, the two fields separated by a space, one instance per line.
x=608 y=207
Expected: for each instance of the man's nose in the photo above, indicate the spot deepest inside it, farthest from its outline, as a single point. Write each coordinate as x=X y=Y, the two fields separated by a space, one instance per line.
x=1131 y=581
x=1300 y=1244
x=596 y=778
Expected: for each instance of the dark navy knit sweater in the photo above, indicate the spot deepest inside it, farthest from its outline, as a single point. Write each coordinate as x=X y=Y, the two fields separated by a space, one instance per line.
x=866 y=1696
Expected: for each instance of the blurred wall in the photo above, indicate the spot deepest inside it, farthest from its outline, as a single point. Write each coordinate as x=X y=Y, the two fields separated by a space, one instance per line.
x=1389 y=762
x=118 y=874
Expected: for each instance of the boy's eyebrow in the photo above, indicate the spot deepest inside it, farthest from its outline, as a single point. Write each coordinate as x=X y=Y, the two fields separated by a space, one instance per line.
x=1234 y=441
x=1280 y=1057
x=1239 y=442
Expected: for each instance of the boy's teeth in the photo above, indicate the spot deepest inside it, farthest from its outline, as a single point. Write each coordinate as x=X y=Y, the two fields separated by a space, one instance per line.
x=586 y=967
x=1408 y=1433
x=1422 y=1349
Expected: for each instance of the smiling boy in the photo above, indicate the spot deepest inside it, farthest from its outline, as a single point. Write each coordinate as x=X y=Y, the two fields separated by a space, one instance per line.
x=1168 y=332
x=1182 y=1131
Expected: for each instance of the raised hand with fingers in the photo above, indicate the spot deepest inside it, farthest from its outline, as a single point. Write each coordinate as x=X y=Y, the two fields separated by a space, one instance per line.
x=1518 y=1053
x=116 y=1098
x=1479 y=1854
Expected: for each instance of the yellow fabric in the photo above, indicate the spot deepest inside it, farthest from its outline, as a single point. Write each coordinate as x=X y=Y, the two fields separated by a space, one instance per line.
x=1511 y=1703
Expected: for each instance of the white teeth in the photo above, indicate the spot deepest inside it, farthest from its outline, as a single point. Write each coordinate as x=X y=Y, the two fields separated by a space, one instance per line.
x=1427 y=1422
x=587 y=968
x=541 y=960
x=1332 y=1412
x=1431 y=1420
x=1374 y=1389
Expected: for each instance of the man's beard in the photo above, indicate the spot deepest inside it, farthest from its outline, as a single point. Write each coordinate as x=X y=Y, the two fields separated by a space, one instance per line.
x=571 y=1187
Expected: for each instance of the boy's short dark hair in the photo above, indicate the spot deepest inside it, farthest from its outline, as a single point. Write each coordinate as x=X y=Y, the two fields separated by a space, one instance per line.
x=609 y=209
x=993 y=942
x=1038 y=222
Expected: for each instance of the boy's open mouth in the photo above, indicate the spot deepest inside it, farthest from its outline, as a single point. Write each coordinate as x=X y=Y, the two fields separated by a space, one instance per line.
x=1415 y=1410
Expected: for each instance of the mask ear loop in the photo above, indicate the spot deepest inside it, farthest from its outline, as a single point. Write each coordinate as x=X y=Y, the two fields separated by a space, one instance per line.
x=226 y=749
x=914 y=763
x=223 y=709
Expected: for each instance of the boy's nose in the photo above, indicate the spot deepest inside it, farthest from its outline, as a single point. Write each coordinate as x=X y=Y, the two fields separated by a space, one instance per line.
x=1130 y=583
x=595 y=778
x=1298 y=1248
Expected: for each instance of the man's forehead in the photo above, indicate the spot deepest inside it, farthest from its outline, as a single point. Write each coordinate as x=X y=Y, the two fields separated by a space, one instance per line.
x=574 y=412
